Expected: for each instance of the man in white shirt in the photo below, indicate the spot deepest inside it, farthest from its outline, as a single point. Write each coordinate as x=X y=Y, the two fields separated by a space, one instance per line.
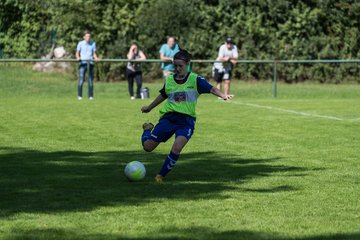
x=228 y=55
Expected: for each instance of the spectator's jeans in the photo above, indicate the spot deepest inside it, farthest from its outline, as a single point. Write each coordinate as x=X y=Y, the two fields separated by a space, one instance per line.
x=82 y=71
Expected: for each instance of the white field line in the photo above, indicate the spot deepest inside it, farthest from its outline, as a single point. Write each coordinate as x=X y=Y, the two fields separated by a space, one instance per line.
x=295 y=112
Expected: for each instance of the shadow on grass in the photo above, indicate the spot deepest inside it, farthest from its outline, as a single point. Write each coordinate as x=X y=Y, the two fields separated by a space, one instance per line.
x=37 y=181
x=284 y=188
x=197 y=233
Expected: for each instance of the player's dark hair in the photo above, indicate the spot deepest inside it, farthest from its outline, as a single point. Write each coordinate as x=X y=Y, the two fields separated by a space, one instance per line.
x=183 y=55
x=135 y=43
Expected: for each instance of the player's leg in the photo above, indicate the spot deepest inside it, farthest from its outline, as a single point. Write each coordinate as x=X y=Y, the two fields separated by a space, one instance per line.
x=90 y=83
x=183 y=136
x=82 y=72
x=130 y=78
x=138 y=78
x=227 y=87
x=227 y=79
x=148 y=144
x=153 y=136
x=172 y=158
x=217 y=78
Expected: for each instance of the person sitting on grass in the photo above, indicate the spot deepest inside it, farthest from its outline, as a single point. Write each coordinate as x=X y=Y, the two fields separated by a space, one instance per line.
x=178 y=115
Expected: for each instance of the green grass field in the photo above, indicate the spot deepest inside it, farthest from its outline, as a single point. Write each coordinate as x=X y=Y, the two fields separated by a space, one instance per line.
x=256 y=168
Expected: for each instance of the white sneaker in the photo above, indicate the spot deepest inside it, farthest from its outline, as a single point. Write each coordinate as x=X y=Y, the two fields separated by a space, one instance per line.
x=91 y=98
x=132 y=97
x=79 y=98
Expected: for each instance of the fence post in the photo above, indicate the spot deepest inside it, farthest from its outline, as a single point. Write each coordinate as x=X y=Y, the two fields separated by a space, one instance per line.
x=275 y=79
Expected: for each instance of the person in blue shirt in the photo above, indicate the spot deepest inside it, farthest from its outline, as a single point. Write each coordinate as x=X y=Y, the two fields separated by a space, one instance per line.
x=86 y=54
x=167 y=52
x=178 y=114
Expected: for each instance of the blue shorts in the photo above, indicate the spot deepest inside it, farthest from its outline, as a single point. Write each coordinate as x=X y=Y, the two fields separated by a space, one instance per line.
x=180 y=124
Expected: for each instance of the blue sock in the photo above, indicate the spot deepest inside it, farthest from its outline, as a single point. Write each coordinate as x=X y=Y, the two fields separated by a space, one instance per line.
x=169 y=163
x=145 y=136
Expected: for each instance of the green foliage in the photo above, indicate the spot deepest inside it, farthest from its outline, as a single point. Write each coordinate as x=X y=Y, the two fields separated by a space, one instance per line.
x=283 y=29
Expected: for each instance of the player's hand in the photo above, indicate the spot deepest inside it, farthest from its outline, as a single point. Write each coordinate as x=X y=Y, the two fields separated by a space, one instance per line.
x=233 y=61
x=228 y=97
x=145 y=109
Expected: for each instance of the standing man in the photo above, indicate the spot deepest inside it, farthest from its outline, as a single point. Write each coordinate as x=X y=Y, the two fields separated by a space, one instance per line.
x=86 y=54
x=167 y=53
x=228 y=55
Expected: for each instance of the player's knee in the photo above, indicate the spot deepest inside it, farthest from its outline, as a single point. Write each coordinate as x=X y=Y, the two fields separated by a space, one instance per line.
x=148 y=147
x=176 y=149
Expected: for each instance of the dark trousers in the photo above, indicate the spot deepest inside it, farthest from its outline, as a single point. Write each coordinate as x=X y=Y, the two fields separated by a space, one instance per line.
x=131 y=76
x=82 y=71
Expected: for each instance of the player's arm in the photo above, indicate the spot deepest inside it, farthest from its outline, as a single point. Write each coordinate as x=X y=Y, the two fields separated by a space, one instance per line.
x=142 y=56
x=94 y=52
x=233 y=59
x=157 y=101
x=130 y=54
x=162 y=57
x=221 y=55
x=218 y=93
x=224 y=59
x=235 y=56
x=77 y=55
x=95 y=56
x=204 y=86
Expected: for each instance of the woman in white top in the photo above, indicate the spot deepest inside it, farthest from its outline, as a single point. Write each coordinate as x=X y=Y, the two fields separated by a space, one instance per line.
x=133 y=70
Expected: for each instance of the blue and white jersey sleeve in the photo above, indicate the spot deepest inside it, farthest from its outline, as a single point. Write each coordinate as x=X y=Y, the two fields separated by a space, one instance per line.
x=163 y=93
x=203 y=86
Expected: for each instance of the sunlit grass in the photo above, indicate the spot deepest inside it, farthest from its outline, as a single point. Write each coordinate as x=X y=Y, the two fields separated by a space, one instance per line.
x=247 y=173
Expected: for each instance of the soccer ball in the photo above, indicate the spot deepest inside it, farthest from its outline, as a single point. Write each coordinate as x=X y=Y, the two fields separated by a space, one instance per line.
x=135 y=171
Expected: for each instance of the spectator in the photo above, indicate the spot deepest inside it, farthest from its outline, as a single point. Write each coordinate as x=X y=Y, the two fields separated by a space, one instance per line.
x=86 y=54
x=133 y=70
x=228 y=55
x=167 y=52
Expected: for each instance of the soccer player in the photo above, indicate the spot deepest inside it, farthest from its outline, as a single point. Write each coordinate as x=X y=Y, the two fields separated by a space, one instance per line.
x=178 y=115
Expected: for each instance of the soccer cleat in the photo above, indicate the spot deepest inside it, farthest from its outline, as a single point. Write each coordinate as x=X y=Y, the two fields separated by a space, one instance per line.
x=91 y=98
x=148 y=126
x=159 y=179
x=79 y=98
x=132 y=98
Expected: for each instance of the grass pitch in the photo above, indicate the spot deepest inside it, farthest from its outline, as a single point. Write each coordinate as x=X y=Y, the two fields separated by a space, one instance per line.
x=256 y=168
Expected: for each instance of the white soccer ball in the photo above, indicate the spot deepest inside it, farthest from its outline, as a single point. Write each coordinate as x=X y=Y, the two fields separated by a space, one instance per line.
x=135 y=171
